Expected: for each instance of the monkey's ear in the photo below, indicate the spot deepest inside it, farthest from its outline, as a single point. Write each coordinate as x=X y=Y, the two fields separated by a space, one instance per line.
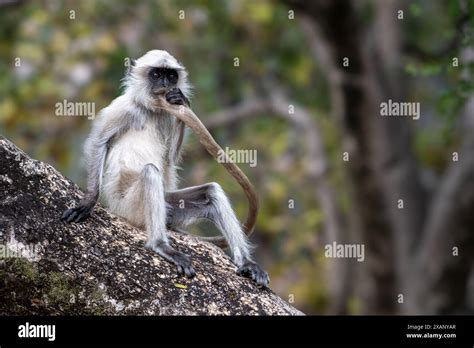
x=133 y=62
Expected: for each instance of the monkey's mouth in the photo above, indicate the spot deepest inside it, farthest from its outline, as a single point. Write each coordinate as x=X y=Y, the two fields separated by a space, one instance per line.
x=160 y=91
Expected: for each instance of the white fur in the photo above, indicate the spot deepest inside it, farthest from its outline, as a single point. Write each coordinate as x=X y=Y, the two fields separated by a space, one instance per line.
x=230 y=226
x=133 y=136
x=136 y=81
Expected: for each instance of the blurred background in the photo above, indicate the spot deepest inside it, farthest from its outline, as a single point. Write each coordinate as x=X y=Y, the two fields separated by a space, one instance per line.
x=305 y=92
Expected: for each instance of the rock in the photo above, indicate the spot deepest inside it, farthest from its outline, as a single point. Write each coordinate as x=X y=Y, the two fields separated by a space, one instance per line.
x=101 y=266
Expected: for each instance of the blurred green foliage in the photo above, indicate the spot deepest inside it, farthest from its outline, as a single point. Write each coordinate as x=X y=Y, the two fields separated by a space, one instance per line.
x=82 y=59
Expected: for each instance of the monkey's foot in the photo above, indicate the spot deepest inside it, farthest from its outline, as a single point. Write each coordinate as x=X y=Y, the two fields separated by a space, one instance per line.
x=253 y=271
x=181 y=260
x=76 y=214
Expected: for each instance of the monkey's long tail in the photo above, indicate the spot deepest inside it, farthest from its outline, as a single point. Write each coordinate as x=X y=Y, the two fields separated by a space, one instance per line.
x=190 y=119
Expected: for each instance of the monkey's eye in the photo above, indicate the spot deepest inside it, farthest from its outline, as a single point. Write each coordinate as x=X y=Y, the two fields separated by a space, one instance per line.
x=172 y=76
x=155 y=74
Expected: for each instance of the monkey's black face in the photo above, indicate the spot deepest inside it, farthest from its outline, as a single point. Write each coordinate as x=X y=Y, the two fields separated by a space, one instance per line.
x=162 y=79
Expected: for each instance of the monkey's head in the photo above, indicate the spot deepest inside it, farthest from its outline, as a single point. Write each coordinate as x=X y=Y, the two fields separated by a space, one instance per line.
x=155 y=74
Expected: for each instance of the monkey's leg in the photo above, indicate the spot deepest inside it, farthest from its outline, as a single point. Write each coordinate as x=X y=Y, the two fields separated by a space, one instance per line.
x=209 y=202
x=150 y=180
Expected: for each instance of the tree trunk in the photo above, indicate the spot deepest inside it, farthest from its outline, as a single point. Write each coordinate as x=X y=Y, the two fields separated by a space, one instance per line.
x=355 y=101
x=101 y=266
x=424 y=249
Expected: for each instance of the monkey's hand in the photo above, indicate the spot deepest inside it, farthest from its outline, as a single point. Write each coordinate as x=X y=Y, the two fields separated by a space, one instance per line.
x=253 y=271
x=181 y=260
x=77 y=214
x=176 y=97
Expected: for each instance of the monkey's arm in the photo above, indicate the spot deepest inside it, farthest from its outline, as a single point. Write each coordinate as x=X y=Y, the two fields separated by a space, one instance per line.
x=95 y=150
x=176 y=97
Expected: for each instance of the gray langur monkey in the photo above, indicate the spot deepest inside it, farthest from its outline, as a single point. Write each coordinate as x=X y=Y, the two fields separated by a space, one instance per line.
x=132 y=154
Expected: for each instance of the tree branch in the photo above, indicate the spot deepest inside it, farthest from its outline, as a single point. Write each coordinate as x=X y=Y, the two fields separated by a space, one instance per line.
x=450 y=224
